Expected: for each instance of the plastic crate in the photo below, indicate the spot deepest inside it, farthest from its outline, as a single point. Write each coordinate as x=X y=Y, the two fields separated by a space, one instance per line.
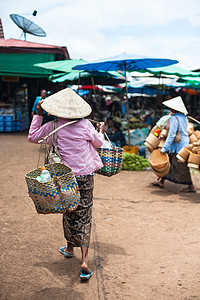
x=9 y=129
x=9 y=123
x=21 y=125
x=8 y=118
x=18 y=126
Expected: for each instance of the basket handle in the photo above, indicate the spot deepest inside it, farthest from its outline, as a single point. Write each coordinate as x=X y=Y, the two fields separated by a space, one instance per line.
x=39 y=155
x=93 y=121
x=55 y=130
x=108 y=139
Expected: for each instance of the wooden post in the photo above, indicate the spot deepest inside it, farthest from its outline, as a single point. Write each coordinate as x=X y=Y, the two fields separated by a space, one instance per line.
x=79 y=78
x=127 y=106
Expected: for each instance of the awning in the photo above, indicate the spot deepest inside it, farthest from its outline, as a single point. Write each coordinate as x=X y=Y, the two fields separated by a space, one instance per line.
x=172 y=70
x=22 y=64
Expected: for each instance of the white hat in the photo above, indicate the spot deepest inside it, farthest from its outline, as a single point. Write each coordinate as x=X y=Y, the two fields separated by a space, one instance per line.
x=67 y=104
x=176 y=104
x=115 y=98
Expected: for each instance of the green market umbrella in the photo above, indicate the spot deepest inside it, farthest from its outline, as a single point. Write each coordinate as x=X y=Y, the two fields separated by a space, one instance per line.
x=70 y=75
x=64 y=66
x=102 y=78
x=191 y=81
x=172 y=70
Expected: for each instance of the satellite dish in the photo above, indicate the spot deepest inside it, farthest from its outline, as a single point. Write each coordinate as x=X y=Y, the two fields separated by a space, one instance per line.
x=27 y=26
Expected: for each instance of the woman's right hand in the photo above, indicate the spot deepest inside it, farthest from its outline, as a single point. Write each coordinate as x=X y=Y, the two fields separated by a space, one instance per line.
x=40 y=110
x=101 y=127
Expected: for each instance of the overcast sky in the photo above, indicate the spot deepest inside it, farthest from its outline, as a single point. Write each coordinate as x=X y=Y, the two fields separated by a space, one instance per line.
x=94 y=29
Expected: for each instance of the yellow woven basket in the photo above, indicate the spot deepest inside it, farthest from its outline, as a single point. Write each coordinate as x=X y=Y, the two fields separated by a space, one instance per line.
x=51 y=197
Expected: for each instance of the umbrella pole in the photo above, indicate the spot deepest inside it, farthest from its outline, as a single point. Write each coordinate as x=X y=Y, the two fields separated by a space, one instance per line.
x=92 y=80
x=160 y=91
x=127 y=108
x=79 y=79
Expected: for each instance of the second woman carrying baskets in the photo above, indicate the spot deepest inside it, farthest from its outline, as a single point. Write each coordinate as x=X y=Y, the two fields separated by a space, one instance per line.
x=76 y=145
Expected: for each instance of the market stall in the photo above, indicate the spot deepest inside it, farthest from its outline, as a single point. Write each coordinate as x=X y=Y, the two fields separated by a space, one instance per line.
x=14 y=114
x=21 y=81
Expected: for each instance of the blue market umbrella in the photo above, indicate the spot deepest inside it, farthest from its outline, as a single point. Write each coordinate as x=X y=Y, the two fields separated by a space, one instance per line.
x=146 y=90
x=125 y=62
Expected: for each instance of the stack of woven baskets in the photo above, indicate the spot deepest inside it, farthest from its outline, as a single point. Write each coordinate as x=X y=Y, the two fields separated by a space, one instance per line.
x=153 y=141
x=159 y=163
x=191 y=153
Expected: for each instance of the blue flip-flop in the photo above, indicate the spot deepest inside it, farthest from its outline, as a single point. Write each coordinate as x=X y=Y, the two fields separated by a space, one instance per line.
x=65 y=253
x=84 y=276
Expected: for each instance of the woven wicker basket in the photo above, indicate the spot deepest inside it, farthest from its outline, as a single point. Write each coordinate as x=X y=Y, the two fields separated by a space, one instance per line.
x=194 y=158
x=158 y=160
x=48 y=197
x=183 y=154
x=161 y=172
x=153 y=140
x=193 y=138
x=161 y=144
x=197 y=134
x=111 y=159
x=149 y=146
x=190 y=128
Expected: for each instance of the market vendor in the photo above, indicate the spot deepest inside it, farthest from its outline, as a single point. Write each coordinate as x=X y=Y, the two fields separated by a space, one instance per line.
x=179 y=172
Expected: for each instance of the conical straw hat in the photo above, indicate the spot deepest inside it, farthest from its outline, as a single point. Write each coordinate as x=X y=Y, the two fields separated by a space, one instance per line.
x=115 y=98
x=176 y=104
x=67 y=104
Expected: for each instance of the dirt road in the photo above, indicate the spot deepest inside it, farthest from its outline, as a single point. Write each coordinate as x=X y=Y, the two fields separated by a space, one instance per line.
x=145 y=242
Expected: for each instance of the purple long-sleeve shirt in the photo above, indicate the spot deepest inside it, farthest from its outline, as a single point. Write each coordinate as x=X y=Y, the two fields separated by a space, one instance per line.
x=76 y=143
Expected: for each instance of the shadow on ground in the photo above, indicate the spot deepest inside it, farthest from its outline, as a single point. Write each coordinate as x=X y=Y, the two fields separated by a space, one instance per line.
x=174 y=189
x=69 y=267
x=66 y=271
x=108 y=249
x=57 y=294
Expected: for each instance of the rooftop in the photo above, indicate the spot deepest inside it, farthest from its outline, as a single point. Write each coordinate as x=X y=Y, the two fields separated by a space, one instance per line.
x=20 y=46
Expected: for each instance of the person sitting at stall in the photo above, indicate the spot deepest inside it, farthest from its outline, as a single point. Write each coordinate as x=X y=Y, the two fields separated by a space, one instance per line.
x=109 y=126
x=118 y=137
x=116 y=108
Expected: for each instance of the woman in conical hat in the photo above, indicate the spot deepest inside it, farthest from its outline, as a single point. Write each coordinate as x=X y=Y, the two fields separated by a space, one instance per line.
x=76 y=144
x=179 y=172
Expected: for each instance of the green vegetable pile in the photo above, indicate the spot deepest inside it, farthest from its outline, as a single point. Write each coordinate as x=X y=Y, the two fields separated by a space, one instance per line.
x=134 y=162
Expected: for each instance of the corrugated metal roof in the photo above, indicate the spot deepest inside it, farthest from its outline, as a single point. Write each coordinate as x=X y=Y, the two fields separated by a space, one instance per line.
x=21 y=43
x=14 y=45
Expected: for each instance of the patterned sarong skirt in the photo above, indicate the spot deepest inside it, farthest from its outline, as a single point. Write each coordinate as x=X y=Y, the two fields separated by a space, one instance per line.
x=77 y=224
